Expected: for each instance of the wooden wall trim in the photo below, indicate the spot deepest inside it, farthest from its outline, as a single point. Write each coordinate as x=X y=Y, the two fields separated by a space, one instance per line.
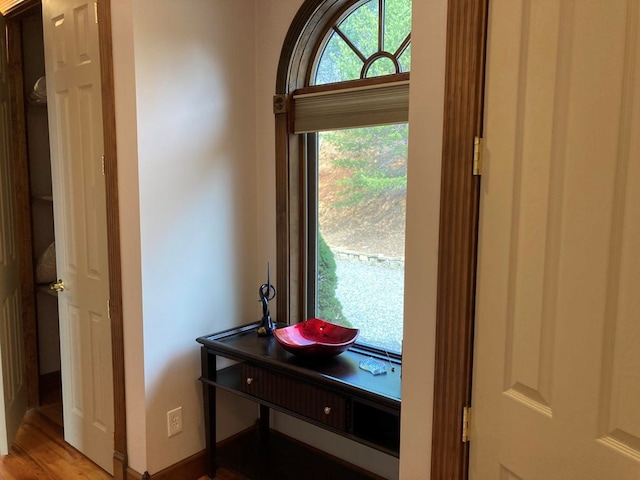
x=23 y=211
x=113 y=239
x=464 y=89
x=282 y=219
x=131 y=474
x=193 y=467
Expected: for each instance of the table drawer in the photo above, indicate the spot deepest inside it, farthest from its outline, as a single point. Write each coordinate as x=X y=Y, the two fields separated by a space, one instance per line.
x=295 y=395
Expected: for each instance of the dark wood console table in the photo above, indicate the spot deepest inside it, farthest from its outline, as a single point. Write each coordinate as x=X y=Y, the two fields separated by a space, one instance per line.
x=332 y=393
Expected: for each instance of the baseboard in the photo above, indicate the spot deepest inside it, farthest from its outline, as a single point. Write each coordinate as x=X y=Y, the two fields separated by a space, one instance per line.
x=119 y=466
x=195 y=466
x=190 y=468
x=133 y=475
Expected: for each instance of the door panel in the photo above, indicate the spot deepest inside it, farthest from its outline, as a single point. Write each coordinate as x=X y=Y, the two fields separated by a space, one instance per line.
x=75 y=120
x=14 y=390
x=557 y=347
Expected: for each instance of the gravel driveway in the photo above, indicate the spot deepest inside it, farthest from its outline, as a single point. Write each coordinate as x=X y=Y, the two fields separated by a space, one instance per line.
x=372 y=300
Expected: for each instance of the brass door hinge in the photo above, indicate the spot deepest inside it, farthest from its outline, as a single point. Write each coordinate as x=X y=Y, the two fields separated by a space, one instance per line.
x=466 y=418
x=478 y=152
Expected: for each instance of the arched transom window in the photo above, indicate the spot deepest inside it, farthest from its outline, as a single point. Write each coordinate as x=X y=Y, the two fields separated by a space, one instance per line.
x=371 y=40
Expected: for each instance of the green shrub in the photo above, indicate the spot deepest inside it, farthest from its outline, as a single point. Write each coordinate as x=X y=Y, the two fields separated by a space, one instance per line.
x=329 y=307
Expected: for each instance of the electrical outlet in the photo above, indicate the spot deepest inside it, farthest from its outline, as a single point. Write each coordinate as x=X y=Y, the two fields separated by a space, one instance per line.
x=174 y=421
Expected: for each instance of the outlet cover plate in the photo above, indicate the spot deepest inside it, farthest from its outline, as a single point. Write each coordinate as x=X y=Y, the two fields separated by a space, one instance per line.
x=174 y=421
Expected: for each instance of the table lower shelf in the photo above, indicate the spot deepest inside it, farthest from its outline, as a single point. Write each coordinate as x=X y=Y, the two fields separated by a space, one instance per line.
x=283 y=458
x=367 y=423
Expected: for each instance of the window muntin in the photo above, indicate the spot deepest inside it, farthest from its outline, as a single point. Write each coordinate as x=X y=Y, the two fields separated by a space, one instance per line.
x=372 y=40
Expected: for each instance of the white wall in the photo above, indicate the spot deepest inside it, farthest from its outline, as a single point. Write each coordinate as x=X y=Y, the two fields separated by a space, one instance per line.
x=128 y=192
x=426 y=106
x=186 y=114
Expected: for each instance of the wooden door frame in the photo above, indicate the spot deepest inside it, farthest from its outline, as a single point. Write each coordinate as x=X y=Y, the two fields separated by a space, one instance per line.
x=20 y=159
x=120 y=460
x=459 y=212
x=22 y=198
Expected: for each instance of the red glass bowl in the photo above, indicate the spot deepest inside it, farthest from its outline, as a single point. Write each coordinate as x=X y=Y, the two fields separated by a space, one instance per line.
x=316 y=337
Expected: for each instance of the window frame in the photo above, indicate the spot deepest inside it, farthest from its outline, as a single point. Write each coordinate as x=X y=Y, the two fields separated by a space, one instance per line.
x=307 y=36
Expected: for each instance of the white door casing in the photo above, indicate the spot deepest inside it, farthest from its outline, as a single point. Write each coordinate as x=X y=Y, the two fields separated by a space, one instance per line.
x=13 y=380
x=76 y=138
x=556 y=383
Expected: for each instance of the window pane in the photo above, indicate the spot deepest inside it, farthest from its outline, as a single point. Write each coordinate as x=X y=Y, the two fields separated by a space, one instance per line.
x=361 y=28
x=338 y=62
x=397 y=24
x=362 y=177
x=405 y=60
x=381 y=66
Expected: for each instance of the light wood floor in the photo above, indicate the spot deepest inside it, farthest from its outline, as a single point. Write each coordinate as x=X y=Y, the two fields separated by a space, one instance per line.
x=39 y=452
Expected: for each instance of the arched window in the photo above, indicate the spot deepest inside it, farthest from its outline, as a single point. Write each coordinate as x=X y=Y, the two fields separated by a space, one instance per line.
x=370 y=40
x=341 y=110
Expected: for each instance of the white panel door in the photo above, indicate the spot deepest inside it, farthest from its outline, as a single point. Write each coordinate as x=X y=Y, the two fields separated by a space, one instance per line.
x=556 y=385
x=75 y=123
x=13 y=400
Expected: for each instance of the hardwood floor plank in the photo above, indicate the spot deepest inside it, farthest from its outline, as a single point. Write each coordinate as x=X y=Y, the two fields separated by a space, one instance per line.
x=39 y=452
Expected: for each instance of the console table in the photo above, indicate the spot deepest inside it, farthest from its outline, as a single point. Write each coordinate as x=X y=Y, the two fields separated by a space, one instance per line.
x=332 y=393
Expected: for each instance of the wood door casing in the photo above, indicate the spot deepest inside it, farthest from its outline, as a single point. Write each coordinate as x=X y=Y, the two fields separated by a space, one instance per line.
x=464 y=87
x=13 y=399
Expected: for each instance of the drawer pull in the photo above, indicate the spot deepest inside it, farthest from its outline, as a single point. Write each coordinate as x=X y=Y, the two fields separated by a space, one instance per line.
x=249 y=380
x=327 y=410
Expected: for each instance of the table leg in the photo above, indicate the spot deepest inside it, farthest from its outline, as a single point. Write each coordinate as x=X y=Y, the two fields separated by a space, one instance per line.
x=264 y=423
x=209 y=402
